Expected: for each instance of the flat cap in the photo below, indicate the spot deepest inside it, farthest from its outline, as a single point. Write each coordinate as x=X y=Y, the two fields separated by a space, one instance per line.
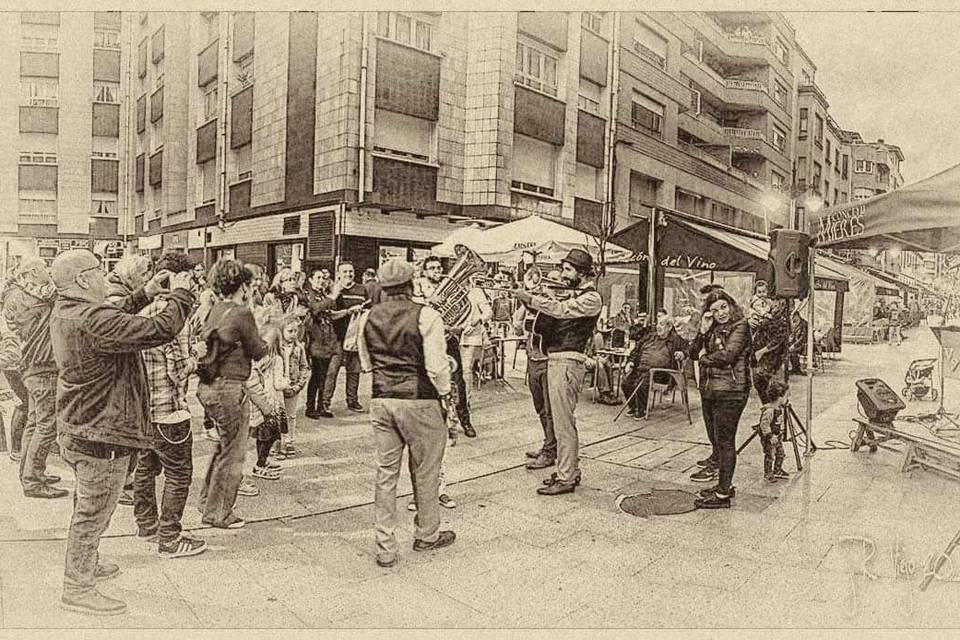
x=395 y=272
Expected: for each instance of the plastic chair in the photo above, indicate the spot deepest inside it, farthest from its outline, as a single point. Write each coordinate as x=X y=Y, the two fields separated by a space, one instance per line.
x=659 y=389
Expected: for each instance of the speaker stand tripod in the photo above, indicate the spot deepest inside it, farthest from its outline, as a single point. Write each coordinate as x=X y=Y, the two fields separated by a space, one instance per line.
x=941 y=414
x=792 y=429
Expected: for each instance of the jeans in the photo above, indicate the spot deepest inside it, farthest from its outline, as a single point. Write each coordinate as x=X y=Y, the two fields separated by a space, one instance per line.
x=417 y=425
x=172 y=455
x=227 y=406
x=721 y=414
x=350 y=360
x=99 y=482
x=290 y=406
x=565 y=380
x=318 y=378
x=18 y=421
x=537 y=383
x=41 y=432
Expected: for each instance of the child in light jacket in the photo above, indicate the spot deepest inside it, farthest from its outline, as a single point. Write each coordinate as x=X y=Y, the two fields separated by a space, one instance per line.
x=266 y=416
x=295 y=368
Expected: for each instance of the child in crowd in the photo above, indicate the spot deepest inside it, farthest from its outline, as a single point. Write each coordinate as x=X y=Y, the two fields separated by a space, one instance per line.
x=296 y=371
x=267 y=416
x=771 y=431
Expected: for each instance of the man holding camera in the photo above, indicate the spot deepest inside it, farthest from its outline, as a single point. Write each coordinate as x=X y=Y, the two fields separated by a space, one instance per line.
x=102 y=407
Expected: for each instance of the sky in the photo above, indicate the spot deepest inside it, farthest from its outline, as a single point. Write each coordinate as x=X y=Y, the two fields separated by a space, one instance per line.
x=894 y=76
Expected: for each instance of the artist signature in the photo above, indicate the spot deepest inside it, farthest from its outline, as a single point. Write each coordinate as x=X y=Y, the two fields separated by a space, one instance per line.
x=934 y=566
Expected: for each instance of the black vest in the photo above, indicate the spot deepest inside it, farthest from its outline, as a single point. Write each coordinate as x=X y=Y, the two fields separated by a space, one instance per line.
x=568 y=334
x=393 y=339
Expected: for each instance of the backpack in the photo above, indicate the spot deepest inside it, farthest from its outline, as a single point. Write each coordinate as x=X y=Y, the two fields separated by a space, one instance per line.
x=208 y=367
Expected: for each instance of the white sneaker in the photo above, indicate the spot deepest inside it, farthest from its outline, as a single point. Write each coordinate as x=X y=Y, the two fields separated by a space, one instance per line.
x=266 y=473
x=447 y=501
x=248 y=488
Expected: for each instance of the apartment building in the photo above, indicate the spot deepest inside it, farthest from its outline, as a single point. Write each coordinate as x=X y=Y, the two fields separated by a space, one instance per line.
x=60 y=183
x=707 y=114
x=876 y=166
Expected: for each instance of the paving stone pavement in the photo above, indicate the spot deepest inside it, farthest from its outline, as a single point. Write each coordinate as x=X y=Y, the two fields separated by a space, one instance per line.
x=841 y=544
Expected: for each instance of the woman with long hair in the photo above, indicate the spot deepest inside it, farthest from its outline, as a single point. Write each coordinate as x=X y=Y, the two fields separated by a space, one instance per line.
x=724 y=337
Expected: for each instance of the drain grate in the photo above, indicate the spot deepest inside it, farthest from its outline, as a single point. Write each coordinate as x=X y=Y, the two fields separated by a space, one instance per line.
x=657 y=503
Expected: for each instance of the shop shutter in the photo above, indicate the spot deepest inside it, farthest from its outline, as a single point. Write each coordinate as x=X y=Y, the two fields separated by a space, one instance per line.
x=320 y=236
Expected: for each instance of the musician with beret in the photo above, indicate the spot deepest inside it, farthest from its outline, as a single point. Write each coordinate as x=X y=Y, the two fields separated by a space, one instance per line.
x=566 y=326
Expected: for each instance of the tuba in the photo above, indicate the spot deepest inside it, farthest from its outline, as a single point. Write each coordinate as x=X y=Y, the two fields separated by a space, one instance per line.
x=450 y=296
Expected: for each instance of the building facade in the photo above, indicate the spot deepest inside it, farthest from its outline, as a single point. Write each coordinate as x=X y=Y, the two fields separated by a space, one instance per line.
x=60 y=184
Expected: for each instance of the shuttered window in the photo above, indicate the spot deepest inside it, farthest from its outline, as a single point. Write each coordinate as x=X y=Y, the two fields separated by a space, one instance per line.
x=241 y=118
x=104 y=175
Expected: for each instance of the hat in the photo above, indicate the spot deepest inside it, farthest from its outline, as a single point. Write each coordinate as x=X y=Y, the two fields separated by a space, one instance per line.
x=579 y=259
x=394 y=273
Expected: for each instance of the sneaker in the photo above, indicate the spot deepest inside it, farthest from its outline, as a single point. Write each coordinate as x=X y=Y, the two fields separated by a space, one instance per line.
x=412 y=505
x=93 y=603
x=386 y=561
x=271 y=464
x=311 y=414
x=445 y=539
x=707 y=462
x=325 y=413
x=105 y=572
x=780 y=474
x=288 y=450
x=704 y=494
x=356 y=408
x=233 y=522
x=51 y=478
x=248 y=488
x=182 y=547
x=717 y=501
x=126 y=498
x=707 y=474
x=211 y=435
x=265 y=473
x=447 y=501
x=543 y=462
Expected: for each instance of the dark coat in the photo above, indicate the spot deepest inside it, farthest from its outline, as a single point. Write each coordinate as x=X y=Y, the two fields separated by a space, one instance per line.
x=725 y=365
x=321 y=338
x=102 y=390
x=28 y=313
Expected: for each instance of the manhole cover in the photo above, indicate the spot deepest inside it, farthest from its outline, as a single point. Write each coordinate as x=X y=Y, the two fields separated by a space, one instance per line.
x=657 y=503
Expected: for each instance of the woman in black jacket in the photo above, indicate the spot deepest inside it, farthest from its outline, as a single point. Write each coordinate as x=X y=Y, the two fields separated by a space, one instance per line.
x=724 y=336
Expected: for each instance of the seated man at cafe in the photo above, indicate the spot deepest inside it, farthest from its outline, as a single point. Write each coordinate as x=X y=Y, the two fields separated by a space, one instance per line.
x=658 y=348
x=602 y=370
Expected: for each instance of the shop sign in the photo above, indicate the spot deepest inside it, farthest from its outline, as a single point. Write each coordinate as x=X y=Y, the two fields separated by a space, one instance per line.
x=841 y=225
x=66 y=244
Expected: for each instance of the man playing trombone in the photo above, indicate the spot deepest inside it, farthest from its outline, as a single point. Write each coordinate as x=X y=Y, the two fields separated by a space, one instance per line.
x=566 y=327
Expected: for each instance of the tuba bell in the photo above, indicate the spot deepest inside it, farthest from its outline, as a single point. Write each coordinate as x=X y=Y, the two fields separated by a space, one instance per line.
x=450 y=297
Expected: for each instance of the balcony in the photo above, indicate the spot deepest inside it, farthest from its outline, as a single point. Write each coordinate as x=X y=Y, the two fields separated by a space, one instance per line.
x=740 y=41
x=749 y=85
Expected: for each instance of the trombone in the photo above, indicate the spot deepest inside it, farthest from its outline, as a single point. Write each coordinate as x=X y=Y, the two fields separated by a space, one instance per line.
x=533 y=282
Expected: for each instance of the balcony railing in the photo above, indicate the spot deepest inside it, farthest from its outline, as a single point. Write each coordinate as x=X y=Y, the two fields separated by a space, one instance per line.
x=746 y=38
x=704 y=155
x=749 y=85
x=650 y=55
x=736 y=132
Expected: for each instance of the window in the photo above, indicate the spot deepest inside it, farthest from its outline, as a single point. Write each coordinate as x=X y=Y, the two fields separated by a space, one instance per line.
x=38 y=158
x=534 y=166
x=106 y=39
x=863 y=166
x=779 y=94
x=402 y=135
x=828 y=154
x=209 y=105
x=242 y=161
x=244 y=73
x=846 y=166
x=405 y=29
x=779 y=139
x=817 y=173
x=836 y=196
x=780 y=50
x=804 y=123
x=156 y=135
x=844 y=197
x=536 y=68
x=157 y=46
x=592 y=21
x=862 y=194
x=158 y=75
x=102 y=207
x=836 y=161
x=37 y=43
x=826 y=191
x=39 y=93
x=105 y=92
x=587 y=182
x=644 y=193
x=806 y=78
x=207 y=182
x=650 y=45
x=777 y=181
x=818 y=133
x=39 y=204
x=647 y=115
x=589 y=97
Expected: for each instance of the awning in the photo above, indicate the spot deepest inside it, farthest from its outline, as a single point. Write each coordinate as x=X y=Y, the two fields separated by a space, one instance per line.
x=855 y=274
x=903 y=281
x=684 y=244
